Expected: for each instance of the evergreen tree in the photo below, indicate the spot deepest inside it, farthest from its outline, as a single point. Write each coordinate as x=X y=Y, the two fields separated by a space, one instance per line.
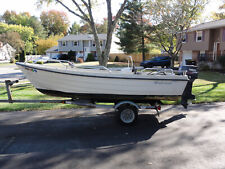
x=133 y=28
x=74 y=29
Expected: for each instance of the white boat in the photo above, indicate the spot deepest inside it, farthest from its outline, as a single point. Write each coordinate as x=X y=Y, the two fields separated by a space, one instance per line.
x=100 y=84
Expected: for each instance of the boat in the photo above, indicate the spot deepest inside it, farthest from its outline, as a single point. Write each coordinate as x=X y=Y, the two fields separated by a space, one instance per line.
x=100 y=84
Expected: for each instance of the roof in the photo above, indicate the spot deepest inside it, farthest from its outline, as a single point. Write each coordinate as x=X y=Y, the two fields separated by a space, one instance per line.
x=52 y=49
x=82 y=37
x=208 y=25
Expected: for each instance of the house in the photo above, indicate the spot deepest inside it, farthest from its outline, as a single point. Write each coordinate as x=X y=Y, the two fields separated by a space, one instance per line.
x=6 y=52
x=52 y=52
x=204 y=42
x=82 y=45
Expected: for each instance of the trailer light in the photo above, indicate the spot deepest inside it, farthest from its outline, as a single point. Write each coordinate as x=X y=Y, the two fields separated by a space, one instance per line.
x=159 y=107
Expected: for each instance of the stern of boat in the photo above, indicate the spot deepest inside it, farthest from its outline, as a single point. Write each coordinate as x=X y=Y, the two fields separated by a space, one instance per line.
x=187 y=94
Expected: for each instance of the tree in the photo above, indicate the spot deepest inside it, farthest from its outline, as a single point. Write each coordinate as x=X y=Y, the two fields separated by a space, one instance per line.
x=100 y=27
x=219 y=15
x=74 y=29
x=14 y=39
x=24 y=19
x=26 y=34
x=84 y=6
x=171 y=19
x=133 y=28
x=55 y=22
x=44 y=44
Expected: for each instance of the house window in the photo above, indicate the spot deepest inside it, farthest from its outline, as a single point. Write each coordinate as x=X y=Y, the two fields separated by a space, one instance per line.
x=101 y=43
x=64 y=43
x=199 y=36
x=75 y=43
x=184 y=38
x=93 y=43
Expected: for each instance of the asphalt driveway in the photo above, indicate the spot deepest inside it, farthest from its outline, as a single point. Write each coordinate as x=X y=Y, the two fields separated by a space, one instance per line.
x=92 y=138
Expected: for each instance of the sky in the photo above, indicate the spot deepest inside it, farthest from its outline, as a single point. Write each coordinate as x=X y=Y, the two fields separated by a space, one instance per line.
x=31 y=7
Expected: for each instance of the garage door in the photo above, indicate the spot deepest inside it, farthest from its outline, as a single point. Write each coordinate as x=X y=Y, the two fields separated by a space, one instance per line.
x=186 y=56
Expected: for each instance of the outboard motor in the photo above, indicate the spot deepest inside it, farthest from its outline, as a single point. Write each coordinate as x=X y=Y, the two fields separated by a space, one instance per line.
x=187 y=94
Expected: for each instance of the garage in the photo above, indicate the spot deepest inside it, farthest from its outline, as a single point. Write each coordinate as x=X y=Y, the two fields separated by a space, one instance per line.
x=186 y=56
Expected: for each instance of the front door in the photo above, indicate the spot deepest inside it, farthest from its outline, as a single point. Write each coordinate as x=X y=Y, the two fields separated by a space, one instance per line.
x=86 y=51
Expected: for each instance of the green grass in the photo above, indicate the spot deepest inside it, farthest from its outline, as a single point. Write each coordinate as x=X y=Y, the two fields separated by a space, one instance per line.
x=26 y=92
x=210 y=87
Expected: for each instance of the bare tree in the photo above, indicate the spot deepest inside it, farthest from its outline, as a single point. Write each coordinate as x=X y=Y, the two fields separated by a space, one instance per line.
x=171 y=19
x=84 y=11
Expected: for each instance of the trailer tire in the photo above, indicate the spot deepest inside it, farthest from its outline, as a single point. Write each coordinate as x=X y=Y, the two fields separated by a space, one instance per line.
x=127 y=114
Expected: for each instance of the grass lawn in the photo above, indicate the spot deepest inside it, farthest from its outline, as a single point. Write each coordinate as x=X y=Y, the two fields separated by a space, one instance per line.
x=27 y=91
x=210 y=87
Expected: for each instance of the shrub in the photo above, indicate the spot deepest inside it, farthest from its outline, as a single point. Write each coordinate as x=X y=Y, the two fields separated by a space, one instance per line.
x=80 y=60
x=40 y=62
x=204 y=66
x=71 y=55
x=63 y=57
x=221 y=60
x=90 y=57
x=22 y=57
x=12 y=60
x=116 y=59
x=30 y=61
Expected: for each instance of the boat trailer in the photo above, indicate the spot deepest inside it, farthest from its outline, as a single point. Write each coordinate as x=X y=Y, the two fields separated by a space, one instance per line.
x=126 y=110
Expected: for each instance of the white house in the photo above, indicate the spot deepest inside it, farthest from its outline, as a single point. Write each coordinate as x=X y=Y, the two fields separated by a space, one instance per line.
x=6 y=52
x=81 y=44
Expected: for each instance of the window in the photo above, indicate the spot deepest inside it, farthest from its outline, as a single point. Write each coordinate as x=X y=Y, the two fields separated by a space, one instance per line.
x=64 y=43
x=184 y=38
x=101 y=43
x=199 y=36
x=93 y=43
x=75 y=43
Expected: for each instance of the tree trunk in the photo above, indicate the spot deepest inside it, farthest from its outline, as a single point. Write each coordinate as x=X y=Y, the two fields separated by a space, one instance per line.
x=97 y=43
x=107 y=48
x=143 y=47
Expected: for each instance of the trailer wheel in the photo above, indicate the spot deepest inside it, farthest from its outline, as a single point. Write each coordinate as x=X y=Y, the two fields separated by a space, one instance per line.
x=128 y=114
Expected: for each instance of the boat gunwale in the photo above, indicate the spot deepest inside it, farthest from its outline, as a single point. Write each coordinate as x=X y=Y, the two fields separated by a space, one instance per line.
x=94 y=76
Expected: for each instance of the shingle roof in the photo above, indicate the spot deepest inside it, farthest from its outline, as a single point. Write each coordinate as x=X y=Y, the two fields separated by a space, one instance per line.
x=82 y=37
x=208 y=25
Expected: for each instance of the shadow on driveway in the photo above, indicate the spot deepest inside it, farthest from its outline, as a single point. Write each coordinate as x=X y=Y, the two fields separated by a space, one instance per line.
x=60 y=135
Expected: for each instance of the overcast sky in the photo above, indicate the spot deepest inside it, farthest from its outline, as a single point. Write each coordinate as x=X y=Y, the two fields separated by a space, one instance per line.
x=31 y=7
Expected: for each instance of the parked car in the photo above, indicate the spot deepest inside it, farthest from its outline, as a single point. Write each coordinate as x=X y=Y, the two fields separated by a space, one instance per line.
x=163 y=61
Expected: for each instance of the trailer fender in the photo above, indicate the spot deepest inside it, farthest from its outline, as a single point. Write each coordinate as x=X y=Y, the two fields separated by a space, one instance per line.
x=126 y=102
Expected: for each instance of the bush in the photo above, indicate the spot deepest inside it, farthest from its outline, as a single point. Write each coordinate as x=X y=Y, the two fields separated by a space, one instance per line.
x=71 y=55
x=63 y=57
x=40 y=62
x=12 y=60
x=30 y=61
x=117 y=59
x=22 y=57
x=90 y=57
x=221 y=60
x=80 y=60
x=204 y=66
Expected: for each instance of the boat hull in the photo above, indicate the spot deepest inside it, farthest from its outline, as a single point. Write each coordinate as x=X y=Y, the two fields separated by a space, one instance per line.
x=98 y=86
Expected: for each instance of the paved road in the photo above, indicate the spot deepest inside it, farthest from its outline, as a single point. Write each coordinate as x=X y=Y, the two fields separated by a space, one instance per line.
x=10 y=72
x=91 y=138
